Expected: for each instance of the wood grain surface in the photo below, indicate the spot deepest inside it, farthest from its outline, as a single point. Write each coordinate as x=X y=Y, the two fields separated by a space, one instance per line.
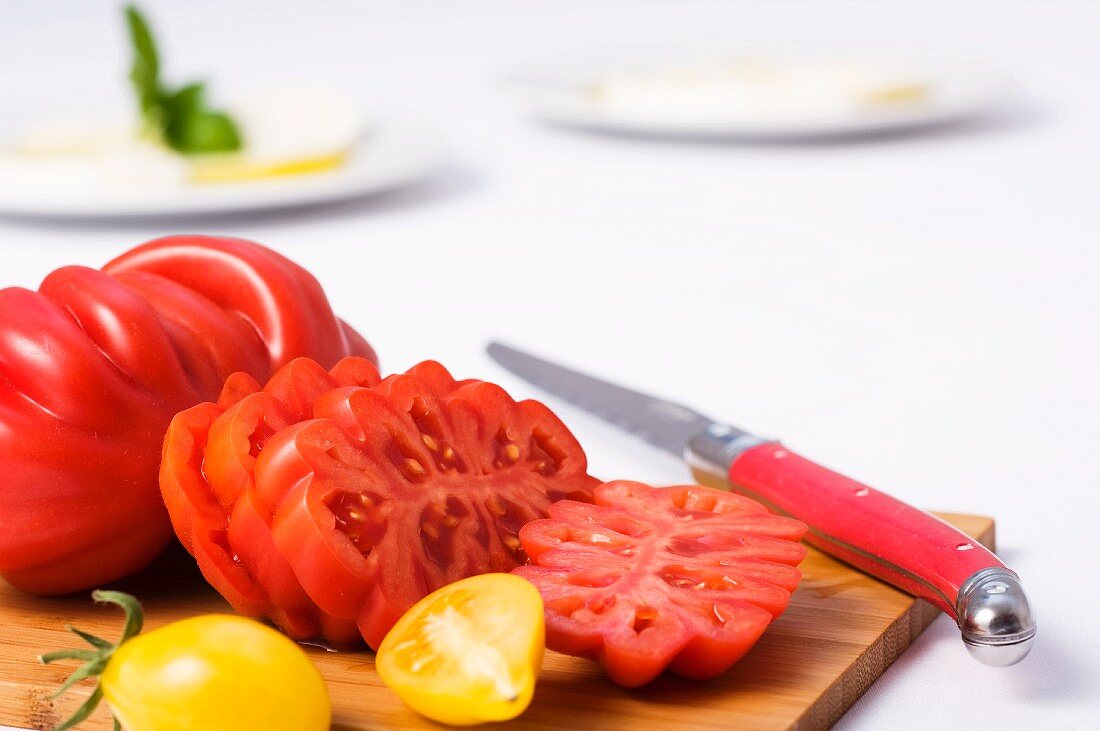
x=841 y=631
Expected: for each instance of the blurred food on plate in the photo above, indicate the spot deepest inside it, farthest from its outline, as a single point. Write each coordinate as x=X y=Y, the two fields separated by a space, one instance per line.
x=763 y=95
x=760 y=86
x=178 y=140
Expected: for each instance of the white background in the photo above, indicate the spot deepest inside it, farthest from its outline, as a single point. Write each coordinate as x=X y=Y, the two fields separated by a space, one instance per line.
x=920 y=311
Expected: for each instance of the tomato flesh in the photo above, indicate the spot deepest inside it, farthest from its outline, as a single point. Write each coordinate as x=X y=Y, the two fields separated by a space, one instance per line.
x=207 y=483
x=469 y=652
x=332 y=502
x=686 y=578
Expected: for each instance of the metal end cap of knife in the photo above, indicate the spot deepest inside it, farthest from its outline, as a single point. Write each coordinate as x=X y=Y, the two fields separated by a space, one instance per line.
x=996 y=620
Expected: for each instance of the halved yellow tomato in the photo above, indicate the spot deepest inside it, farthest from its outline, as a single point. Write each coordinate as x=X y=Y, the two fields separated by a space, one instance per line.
x=469 y=652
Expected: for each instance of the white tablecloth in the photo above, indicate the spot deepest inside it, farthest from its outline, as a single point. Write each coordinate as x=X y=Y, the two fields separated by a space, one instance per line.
x=919 y=311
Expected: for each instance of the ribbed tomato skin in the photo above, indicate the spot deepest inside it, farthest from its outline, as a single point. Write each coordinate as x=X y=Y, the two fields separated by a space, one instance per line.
x=94 y=365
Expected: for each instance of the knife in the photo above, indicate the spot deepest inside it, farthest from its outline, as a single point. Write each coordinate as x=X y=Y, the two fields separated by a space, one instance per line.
x=857 y=524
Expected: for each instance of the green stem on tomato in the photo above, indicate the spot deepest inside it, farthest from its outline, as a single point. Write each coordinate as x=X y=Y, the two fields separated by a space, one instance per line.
x=96 y=659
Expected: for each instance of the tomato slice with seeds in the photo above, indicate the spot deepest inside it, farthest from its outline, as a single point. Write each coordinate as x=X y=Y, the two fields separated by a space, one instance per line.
x=469 y=652
x=686 y=578
x=332 y=500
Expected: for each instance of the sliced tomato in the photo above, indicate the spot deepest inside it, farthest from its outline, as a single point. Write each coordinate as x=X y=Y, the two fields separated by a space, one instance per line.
x=207 y=483
x=686 y=578
x=469 y=652
x=329 y=500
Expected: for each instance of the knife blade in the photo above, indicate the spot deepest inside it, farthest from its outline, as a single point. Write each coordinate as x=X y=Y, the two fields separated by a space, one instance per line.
x=664 y=424
x=864 y=527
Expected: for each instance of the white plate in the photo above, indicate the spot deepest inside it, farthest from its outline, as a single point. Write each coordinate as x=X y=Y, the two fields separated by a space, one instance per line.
x=392 y=153
x=565 y=94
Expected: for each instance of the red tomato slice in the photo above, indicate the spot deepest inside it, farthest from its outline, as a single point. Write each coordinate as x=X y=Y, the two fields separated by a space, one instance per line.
x=328 y=499
x=94 y=365
x=207 y=483
x=686 y=578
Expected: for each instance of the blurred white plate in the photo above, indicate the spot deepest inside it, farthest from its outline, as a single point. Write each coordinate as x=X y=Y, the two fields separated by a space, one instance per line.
x=805 y=97
x=391 y=154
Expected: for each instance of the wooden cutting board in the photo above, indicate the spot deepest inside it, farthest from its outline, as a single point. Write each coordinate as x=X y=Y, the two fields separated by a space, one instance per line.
x=842 y=630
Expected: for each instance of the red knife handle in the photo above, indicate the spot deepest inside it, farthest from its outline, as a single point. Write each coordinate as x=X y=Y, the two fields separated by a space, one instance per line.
x=883 y=536
x=872 y=531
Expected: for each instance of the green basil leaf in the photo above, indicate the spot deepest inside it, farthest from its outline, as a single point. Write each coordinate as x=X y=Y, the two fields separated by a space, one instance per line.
x=202 y=130
x=184 y=101
x=145 y=70
x=180 y=118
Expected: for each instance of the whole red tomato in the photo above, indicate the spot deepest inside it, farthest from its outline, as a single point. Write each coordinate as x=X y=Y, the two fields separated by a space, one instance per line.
x=94 y=365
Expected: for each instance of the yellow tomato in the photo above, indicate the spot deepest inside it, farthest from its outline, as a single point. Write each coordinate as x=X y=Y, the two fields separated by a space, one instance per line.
x=469 y=652
x=215 y=673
